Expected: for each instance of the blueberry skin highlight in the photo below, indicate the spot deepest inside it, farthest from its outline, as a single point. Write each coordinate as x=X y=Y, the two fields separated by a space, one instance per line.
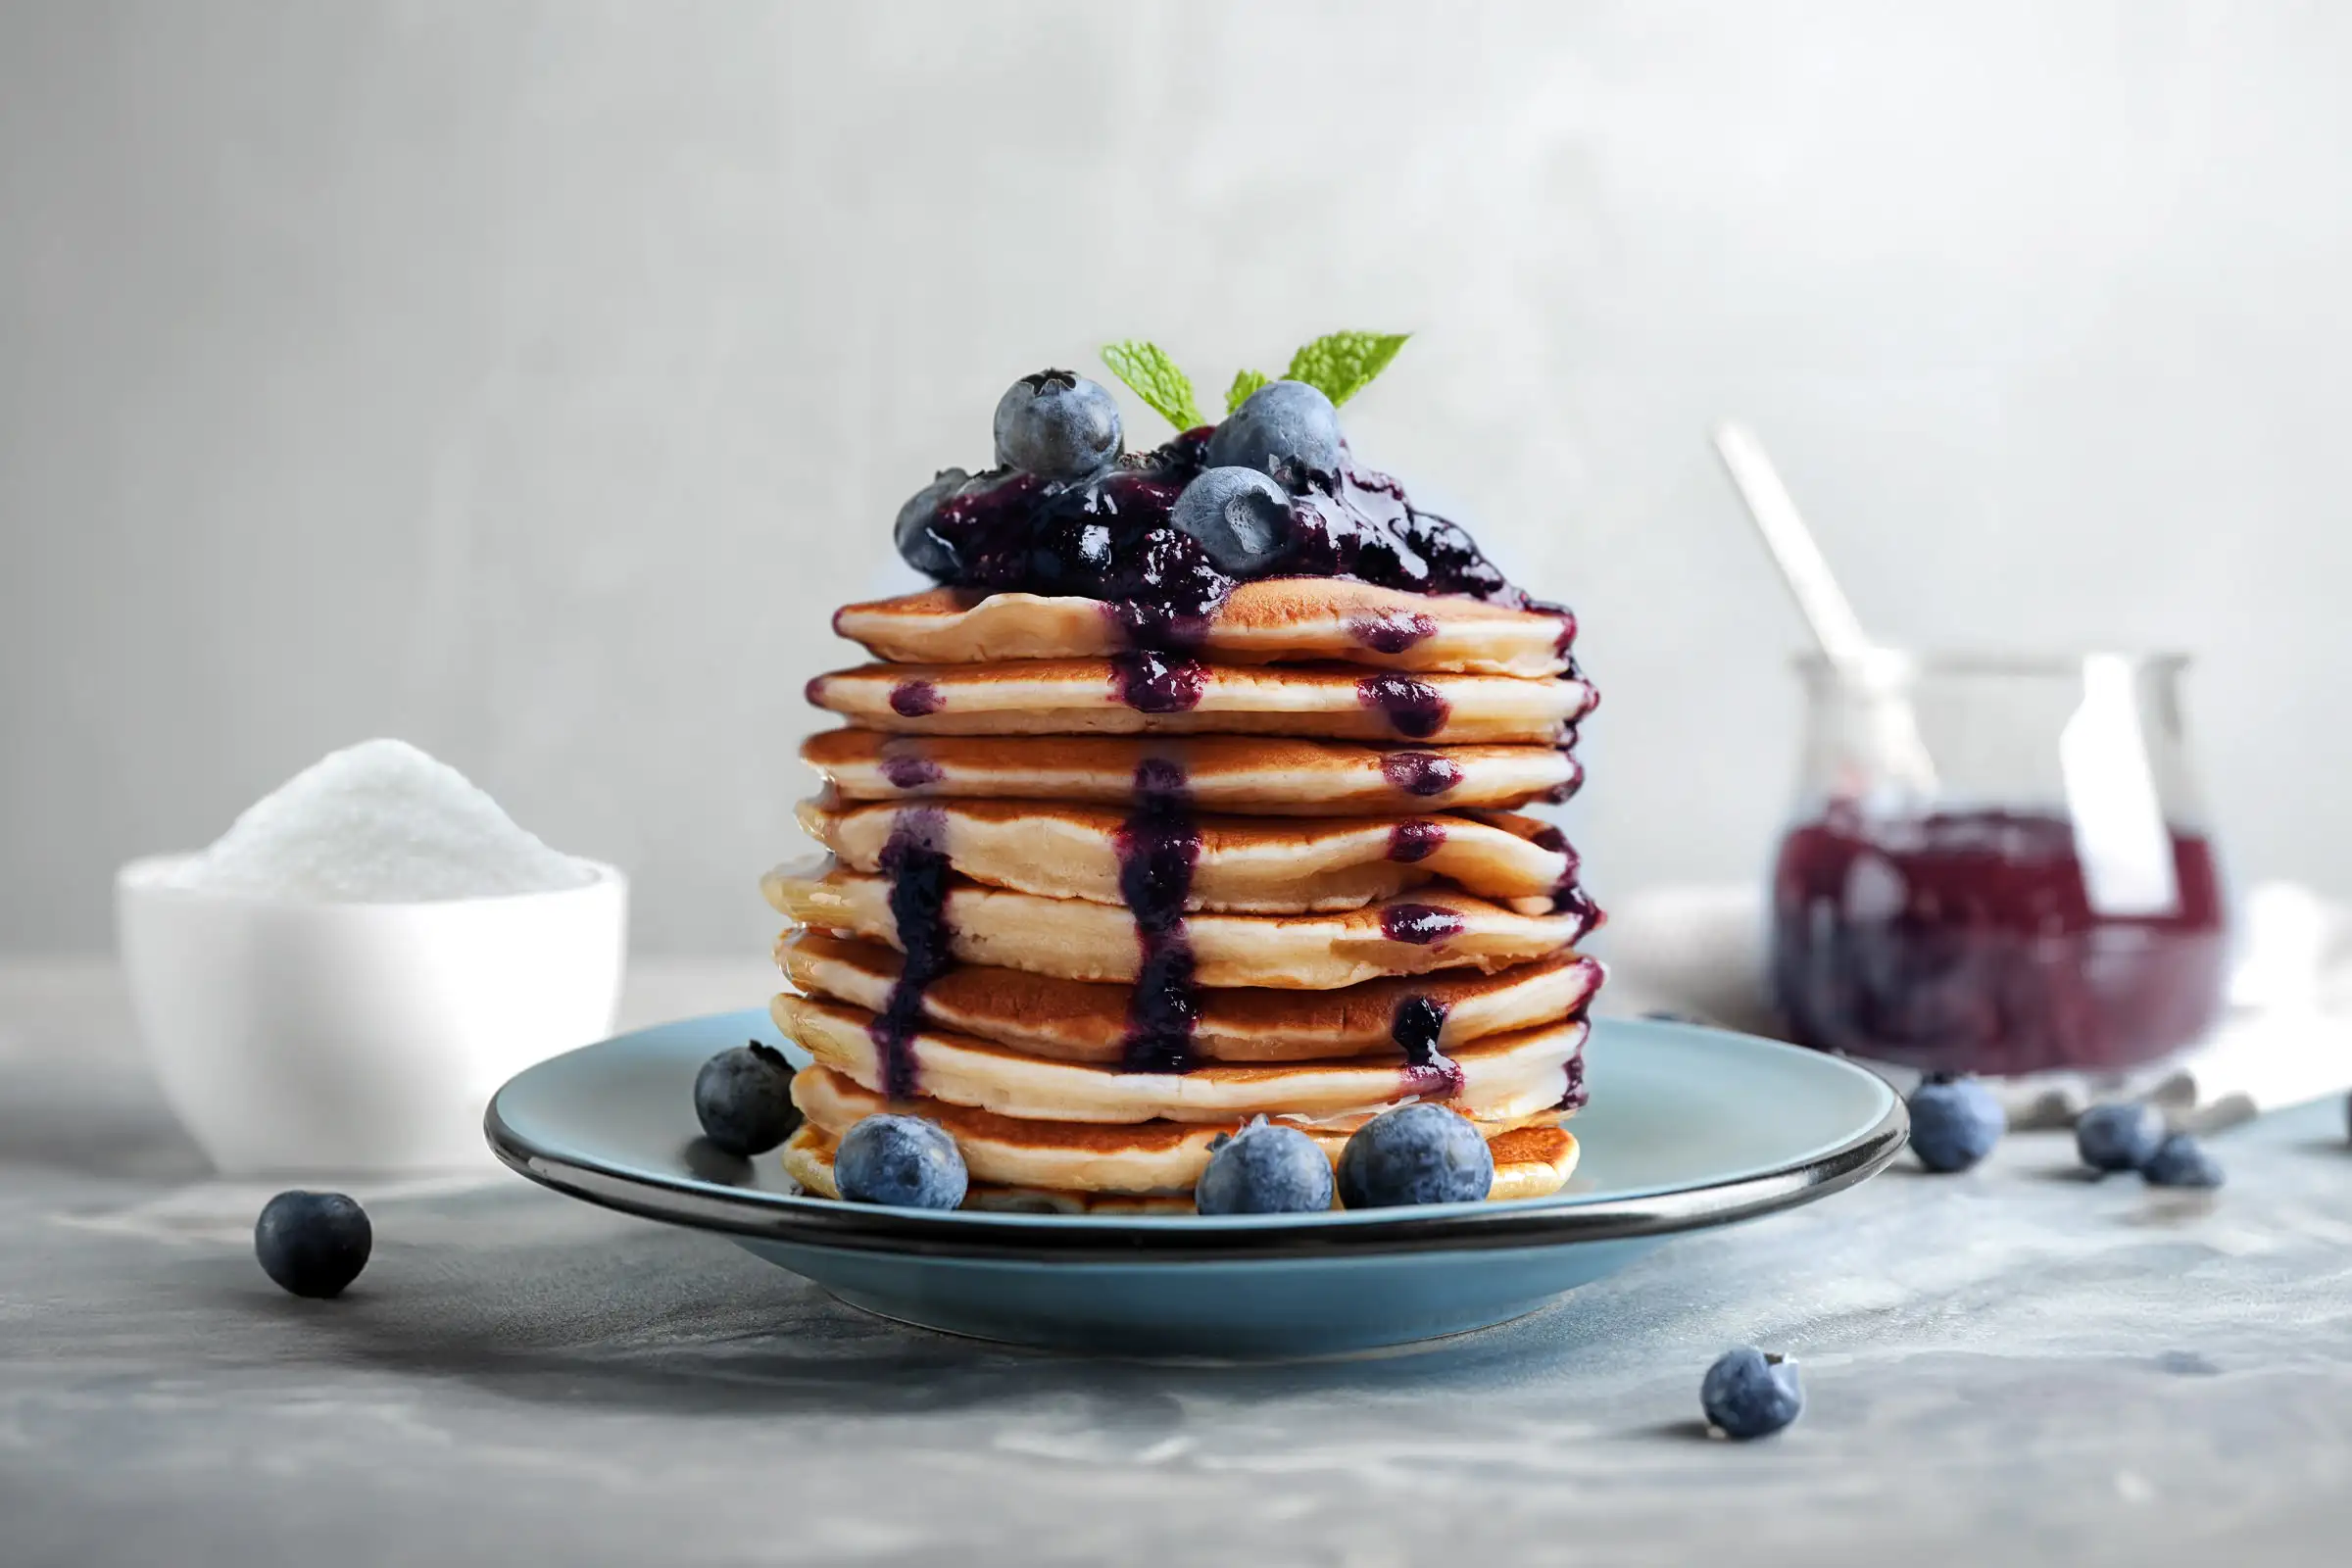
x=743 y=1098
x=1954 y=1122
x=1264 y=1169
x=2121 y=1136
x=901 y=1162
x=1748 y=1394
x=1057 y=426
x=1285 y=428
x=918 y=546
x=1240 y=517
x=2182 y=1162
x=313 y=1244
x=1416 y=1154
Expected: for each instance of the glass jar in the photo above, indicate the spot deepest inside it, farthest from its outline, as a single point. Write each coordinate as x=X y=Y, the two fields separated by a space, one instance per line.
x=1997 y=866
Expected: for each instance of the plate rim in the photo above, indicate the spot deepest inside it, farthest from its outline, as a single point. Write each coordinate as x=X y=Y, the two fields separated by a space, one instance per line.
x=1553 y=1221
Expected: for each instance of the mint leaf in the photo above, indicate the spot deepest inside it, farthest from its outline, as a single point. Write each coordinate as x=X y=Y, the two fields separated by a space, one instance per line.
x=1244 y=382
x=1152 y=376
x=1341 y=365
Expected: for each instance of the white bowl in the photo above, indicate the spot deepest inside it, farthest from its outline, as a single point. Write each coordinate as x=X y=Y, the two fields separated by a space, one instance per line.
x=304 y=1035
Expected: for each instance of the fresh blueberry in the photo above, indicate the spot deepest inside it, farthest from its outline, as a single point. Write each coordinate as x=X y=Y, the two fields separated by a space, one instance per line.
x=2120 y=1136
x=1264 y=1169
x=1240 y=517
x=1954 y=1121
x=2182 y=1162
x=1748 y=1394
x=918 y=546
x=1056 y=426
x=1417 y=1155
x=313 y=1243
x=1285 y=428
x=743 y=1098
x=903 y=1161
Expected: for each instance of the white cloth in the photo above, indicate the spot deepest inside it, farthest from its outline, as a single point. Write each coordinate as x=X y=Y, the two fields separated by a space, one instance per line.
x=2286 y=1038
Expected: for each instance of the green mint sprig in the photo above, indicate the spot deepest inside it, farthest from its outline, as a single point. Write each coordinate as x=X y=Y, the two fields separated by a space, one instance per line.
x=1156 y=378
x=1337 y=364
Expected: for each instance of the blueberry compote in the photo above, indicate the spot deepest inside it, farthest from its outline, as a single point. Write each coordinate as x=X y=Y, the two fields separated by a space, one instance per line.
x=1158 y=848
x=1428 y=1072
x=1971 y=942
x=1110 y=538
x=918 y=869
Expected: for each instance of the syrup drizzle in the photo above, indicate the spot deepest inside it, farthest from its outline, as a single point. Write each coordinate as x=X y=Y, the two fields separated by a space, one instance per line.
x=917 y=868
x=1428 y=1072
x=1159 y=846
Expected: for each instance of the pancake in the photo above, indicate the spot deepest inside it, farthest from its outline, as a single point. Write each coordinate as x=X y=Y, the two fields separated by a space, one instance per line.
x=1154 y=1156
x=1177 y=696
x=1533 y=1161
x=1071 y=1020
x=1438 y=928
x=1261 y=776
x=1278 y=618
x=1243 y=865
x=1498 y=1078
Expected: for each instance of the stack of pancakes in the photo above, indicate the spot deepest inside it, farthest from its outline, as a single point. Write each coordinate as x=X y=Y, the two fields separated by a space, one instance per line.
x=1088 y=906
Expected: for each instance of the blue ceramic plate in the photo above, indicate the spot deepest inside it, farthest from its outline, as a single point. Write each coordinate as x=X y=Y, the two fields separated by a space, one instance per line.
x=1688 y=1128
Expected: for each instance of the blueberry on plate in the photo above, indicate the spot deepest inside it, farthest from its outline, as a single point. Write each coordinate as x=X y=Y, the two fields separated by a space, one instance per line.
x=1415 y=1155
x=1954 y=1121
x=901 y=1162
x=2182 y=1162
x=918 y=546
x=1264 y=1169
x=1240 y=517
x=313 y=1243
x=743 y=1098
x=1057 y=426
x=1285 y=428
x=2122 y=1135
x=1748 y=1394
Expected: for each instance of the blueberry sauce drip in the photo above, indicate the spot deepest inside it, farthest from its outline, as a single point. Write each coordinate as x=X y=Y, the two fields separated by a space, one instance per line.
x=1150 y=681
x=1158 y=847
x=1416 y=838
x=1392 y=631
x=1110 y=538
x=1422 y=773
x=1420 y=924
x=1568 y=896
x=1414 y=707
x=912 y=699
x=1576 y=1094
x=905 y=772
x=918 y=869
x=1428 y=1072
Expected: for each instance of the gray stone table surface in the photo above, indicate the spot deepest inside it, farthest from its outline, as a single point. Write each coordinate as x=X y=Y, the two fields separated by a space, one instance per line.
x=2010 y=1366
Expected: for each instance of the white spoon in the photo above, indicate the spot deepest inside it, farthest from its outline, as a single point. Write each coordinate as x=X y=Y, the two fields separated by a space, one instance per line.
x=1901 y=756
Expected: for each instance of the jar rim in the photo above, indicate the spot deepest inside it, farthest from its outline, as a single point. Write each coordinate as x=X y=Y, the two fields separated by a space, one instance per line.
x=1881 y=666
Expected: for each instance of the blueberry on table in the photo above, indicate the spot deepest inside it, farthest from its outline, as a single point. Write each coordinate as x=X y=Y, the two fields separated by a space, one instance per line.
x=1057 y=426
x=743 y=1098
x=2121 y=1136
x=1285 y=428
x=1240 y=517
x=313 y=1244
x=1264 y=1169
x=918 y=546
x=1416 y=1154
x=1748 y=1394
x=903 y=1161
x=2182 y=1162
x=1954 y=1122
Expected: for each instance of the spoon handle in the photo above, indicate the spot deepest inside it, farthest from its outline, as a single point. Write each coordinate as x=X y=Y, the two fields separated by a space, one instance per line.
x=1818 y=597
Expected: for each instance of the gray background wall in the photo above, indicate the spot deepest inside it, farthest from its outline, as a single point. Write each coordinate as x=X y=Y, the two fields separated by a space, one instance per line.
x=530 y=379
